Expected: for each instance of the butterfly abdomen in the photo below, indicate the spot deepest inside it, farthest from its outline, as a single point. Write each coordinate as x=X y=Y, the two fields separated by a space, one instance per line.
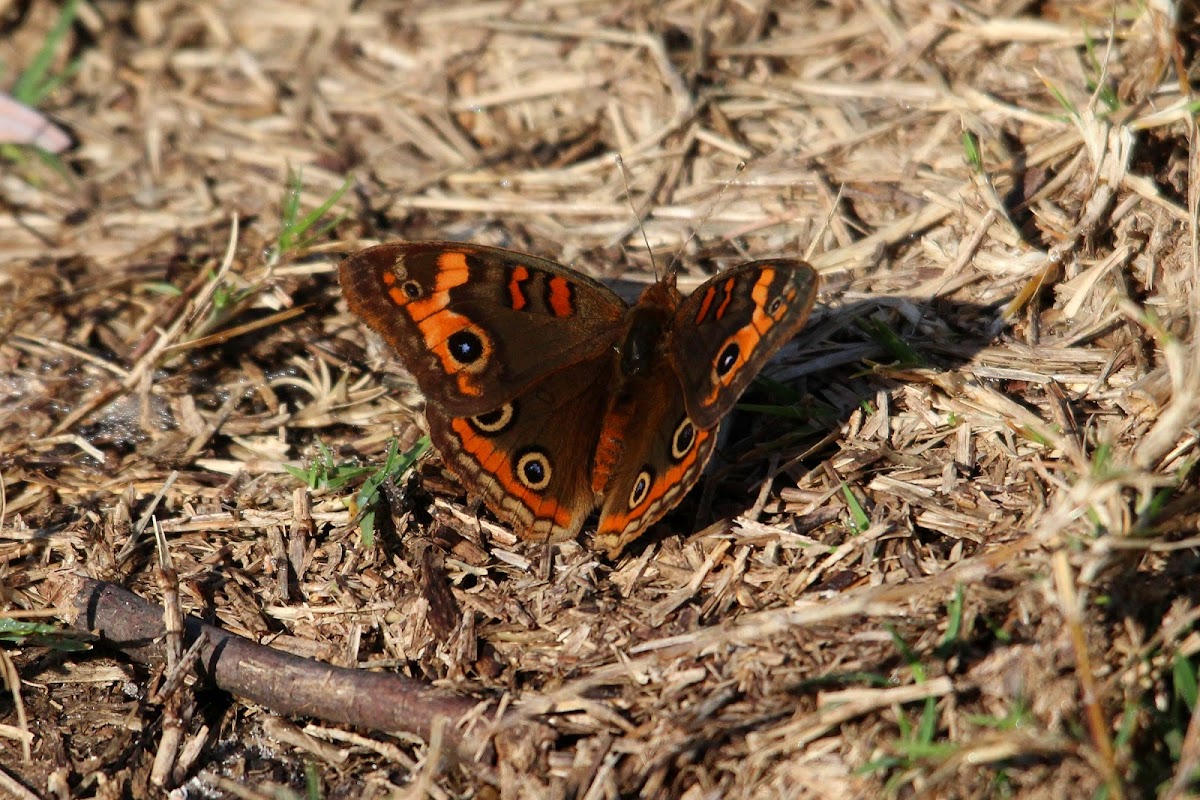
x=611 y=445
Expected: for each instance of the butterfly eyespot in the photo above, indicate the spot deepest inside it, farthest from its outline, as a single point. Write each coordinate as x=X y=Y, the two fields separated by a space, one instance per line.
x=641 y=488
x=533 y=470
x=729 y=357
x=683 y=439
x=465 y=346
x=412 y=289
x=494 y=422
x=774 y=306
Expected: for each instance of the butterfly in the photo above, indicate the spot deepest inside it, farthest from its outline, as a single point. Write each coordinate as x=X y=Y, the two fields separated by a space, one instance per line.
x=550 y=397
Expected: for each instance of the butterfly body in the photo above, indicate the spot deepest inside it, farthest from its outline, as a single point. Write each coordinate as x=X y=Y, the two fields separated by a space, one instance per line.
x=550 y=397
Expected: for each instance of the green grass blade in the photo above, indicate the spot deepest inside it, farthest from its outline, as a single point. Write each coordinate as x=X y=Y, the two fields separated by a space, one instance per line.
x=33 y=85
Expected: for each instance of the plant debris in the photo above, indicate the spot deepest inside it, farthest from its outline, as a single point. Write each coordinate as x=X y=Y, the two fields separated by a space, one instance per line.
x=947 y=548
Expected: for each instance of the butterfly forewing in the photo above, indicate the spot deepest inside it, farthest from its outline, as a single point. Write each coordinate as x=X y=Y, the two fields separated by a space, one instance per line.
x=731 y=326
x=477 y=325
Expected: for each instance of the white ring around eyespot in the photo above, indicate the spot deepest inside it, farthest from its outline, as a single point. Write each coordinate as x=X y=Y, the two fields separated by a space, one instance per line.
x=677 y=452
x=524 y=461
x=644 y=481
x=506 y=416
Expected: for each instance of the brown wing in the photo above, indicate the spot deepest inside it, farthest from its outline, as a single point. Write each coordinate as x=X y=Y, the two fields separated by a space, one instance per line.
x=476 y=326
x=529 y=459
x=662 y=454
x=730 y=327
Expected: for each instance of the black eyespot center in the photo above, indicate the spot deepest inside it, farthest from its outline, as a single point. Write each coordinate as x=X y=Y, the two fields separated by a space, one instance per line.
x=412 y=289
x=729 y=357
x=774 y=306
x=465 y=346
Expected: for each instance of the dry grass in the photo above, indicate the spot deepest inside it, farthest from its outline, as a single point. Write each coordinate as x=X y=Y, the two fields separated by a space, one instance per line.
x=968 y=575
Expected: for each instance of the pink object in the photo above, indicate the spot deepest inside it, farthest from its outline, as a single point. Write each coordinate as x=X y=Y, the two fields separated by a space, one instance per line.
x=20 y=124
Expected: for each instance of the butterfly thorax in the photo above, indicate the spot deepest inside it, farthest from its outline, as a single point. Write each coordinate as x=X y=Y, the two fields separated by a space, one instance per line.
x=643 y=346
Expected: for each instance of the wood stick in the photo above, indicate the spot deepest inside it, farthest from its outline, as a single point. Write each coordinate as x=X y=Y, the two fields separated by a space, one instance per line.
x=289 y=684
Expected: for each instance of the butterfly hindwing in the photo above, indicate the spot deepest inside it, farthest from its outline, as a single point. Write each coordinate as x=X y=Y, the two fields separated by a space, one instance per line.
x=662 y=456
x=529 y=458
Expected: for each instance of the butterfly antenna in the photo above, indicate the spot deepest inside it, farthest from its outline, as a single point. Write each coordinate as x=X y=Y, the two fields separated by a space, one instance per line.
x=827 y=223
x=674 y=265
x=636 y=213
